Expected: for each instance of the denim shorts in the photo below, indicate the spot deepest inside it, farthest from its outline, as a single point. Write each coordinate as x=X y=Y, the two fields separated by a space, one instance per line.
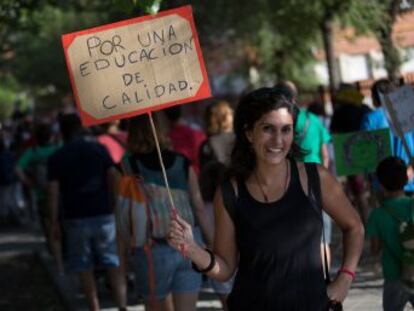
x=165 y=270
x=91 y=243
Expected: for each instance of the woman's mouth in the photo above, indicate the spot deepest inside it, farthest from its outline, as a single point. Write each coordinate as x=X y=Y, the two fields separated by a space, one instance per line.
x=274 y=150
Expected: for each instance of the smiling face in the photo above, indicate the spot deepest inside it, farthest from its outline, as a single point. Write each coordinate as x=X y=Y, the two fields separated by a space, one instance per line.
x=272 y=136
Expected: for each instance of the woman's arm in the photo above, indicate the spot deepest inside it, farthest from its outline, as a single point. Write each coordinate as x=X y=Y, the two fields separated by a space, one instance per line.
x=225 y=249
x=337 y=205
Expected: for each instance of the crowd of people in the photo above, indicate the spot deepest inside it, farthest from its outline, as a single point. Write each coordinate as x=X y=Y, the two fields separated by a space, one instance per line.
x=248 y=208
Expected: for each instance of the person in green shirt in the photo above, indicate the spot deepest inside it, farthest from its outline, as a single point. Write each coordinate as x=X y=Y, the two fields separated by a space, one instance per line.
x=313 y=137
x=31 y=169
x=383 y=231
x=31 y=166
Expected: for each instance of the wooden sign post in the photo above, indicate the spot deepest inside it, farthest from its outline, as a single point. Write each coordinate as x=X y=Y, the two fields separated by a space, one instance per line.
x=136 y=66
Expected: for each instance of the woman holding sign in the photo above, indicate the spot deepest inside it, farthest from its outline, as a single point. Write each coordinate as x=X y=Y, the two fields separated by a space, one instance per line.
x=160 y=269
x=268 y=217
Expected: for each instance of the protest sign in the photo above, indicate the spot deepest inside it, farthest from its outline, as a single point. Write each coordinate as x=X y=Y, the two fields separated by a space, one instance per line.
x=136 y=66
x=401 y=105
x=360 y=152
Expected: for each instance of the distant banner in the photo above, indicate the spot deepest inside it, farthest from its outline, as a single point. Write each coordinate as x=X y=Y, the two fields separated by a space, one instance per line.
x=360 y=152
x=136 y=66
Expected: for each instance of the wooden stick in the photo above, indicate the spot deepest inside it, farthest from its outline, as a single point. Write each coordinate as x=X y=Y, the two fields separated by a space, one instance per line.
x=173 y=209
x=157 y=144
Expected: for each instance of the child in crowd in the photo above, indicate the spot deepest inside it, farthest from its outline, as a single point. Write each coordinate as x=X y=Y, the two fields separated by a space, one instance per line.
x=383 y=230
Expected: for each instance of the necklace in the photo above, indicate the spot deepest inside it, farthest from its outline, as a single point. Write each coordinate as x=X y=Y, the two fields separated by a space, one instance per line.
x=266 y=198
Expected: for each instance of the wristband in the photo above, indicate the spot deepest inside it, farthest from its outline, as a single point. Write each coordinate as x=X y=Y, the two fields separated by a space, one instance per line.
x=347 y=271
x=210 y=265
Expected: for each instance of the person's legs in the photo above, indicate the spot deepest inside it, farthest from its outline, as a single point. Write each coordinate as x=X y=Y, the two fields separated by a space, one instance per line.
x=222 y=290
x=185 y=301
x=154 y=272
x=394 y=297
x=359 y=189
x=169 y=304
x=104 y=246
x=89 y=288
x=154 y=304
x=223 y=299
x=118 y=286
x=186 y=285
x=56 y=249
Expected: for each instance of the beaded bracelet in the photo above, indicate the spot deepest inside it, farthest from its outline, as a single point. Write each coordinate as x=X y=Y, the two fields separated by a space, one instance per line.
x=347 y=271
x=210 y=265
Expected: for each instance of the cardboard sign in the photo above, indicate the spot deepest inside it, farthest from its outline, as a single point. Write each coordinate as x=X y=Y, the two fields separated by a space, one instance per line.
x=401 y=104
x=136 y=66
x=360 y=152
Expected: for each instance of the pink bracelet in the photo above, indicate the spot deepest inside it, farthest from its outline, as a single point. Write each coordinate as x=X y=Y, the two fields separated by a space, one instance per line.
x=347 y=271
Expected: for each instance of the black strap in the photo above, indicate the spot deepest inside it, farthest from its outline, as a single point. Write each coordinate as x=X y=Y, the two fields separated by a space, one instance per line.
x=314 y=185
x=314 y=190
x=395 y=216
x=229 y=197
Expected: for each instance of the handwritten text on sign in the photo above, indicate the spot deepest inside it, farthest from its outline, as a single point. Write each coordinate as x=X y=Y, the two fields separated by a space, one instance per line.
x=137 y=67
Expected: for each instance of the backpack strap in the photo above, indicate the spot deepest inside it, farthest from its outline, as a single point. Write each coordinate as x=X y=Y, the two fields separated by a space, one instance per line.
x=315 y=195
x=394 y=215
x=229 y=197
x=130 y=169
x=314 y=186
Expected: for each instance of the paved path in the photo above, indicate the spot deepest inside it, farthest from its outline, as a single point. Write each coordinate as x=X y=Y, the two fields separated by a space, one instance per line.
x=365 y=293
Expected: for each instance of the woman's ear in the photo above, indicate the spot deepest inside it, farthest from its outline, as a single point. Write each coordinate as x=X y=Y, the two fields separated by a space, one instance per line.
x=249 y=135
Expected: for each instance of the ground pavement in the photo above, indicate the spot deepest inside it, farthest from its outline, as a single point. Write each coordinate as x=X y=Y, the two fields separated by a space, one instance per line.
x=365 y=293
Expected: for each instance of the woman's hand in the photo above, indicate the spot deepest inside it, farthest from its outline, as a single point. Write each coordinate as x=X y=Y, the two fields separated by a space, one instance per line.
x=180 y=236
x=338 y=289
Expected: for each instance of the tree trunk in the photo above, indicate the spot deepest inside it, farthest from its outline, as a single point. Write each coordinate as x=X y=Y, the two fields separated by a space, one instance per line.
x=327 y=34
x=392 y=59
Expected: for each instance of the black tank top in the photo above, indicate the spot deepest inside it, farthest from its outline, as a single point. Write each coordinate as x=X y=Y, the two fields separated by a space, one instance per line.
x=280 y=264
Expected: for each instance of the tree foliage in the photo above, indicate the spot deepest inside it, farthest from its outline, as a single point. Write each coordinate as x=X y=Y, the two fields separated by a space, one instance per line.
x=274 y=37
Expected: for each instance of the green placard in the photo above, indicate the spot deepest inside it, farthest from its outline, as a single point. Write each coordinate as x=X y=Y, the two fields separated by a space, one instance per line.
x=360 y=152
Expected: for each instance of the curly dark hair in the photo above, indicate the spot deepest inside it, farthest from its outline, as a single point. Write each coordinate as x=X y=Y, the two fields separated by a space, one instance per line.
x=250 y=109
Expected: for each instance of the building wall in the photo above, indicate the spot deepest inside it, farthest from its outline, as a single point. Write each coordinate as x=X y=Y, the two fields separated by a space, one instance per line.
x=360 y=57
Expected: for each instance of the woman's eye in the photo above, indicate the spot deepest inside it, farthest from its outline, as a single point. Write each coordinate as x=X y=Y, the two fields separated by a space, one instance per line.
x=267 y=128
x=287 y=129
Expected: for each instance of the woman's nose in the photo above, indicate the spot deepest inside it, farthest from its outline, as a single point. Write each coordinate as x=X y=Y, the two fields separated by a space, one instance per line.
x=277 y=137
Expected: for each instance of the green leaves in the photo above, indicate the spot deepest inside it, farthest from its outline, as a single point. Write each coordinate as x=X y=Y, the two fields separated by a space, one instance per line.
x=147 y=6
